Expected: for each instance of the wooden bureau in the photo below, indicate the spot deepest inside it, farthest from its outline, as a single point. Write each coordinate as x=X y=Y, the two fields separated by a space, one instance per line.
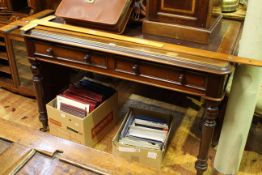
x=53 y=52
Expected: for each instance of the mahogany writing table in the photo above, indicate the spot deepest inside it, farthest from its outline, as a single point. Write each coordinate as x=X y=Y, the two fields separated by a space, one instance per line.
x=163 y=64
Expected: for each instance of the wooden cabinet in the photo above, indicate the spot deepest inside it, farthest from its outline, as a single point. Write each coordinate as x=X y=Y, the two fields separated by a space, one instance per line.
x=186 y=12
x=21 y=67
x=6 y=78
x=188 y=19
x=15 y=73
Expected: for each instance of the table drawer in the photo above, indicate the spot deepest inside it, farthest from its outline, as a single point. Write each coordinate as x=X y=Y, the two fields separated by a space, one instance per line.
x=163 y=73
x=71 y=54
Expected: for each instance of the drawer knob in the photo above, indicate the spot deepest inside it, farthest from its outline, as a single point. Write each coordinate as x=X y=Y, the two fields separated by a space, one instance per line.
x=182 y=79
x=50 y=52
x=87 y=58
x=136 y=69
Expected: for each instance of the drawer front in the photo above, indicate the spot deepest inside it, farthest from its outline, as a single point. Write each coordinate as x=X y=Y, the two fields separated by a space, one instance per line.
x=163 y=73
x=70 y=54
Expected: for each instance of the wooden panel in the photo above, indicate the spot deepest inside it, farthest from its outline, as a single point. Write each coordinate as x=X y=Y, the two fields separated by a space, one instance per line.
x=4 y=145
x=195 y=80
x=43 y=164
x=185 y=6
x=85 y=157
x=11 y=156
x=125 y=65
x=70 y=54
x=5 y=69
x=163 y=73
x=187 y=12
x=6 y=80
x=3 y=55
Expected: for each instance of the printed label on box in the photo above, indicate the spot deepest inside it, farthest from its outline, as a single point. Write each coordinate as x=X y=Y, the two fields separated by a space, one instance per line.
x=127 y=149
x=152 y=155
x=55 y=122
x=102 y=124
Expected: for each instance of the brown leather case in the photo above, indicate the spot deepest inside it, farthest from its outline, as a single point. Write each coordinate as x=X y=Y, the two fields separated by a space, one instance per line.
x=110 y=15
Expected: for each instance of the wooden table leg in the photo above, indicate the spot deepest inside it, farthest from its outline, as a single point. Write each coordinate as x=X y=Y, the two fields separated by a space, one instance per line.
x=38 y=83
x=208 y=127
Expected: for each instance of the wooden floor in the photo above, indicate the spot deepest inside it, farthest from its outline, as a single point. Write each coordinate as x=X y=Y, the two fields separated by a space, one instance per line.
x=182 y=151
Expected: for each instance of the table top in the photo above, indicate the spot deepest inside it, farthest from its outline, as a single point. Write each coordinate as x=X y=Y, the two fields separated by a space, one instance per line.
x=151 y=48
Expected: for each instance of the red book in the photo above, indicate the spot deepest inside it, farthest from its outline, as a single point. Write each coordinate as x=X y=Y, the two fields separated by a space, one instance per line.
x=73 y=110
x=85 y=93
x=92 y=104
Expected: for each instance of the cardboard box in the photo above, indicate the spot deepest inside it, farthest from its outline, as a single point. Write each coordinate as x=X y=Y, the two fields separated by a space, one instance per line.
x=88 y=130
x=149 y=157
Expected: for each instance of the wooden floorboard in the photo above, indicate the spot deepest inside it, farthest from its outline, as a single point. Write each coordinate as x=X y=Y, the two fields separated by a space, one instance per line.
x=183 y=148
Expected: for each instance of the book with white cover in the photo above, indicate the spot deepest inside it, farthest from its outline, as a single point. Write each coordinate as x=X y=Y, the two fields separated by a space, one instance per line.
x=60 y=99
x=147 y=133
x=151 y=122
x=143 y=143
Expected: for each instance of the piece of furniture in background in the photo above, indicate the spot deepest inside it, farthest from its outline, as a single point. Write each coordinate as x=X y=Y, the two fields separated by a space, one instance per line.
x=187 y=20
x=38 y=5
x=22 y=74
x=6 y=78
x=15 y=73
x=12 y=10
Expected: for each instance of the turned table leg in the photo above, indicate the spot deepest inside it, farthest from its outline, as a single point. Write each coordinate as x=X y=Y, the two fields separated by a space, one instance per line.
x=38 y=83
x=208 y=128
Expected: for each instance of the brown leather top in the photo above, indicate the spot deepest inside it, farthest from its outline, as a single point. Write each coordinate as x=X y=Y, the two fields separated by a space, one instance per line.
x=105 y=12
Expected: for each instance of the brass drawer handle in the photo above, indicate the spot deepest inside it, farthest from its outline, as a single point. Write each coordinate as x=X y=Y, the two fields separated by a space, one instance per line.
x=182 y=79
x=136 y=69
x=50 y=52
x=87 y=59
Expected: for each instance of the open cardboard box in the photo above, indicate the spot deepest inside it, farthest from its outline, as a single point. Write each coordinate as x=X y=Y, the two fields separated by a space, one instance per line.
x=88 y=130
x=146 y=156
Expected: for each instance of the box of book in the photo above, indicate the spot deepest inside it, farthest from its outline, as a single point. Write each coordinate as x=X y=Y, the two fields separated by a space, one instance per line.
x=143 y=137
x=83 y=117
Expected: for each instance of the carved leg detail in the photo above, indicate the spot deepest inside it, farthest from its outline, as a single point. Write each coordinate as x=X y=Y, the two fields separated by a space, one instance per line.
x=38 y=83
x=208 y=127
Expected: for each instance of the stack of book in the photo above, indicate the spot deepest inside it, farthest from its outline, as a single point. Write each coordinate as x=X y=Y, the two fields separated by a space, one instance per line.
x=144 y=131
x=83 y=98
